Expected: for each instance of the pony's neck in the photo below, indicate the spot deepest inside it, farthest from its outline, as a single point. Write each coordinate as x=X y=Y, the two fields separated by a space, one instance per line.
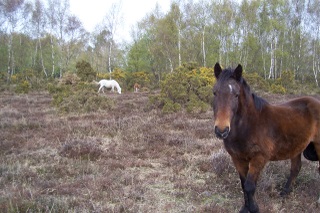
x=250 y=108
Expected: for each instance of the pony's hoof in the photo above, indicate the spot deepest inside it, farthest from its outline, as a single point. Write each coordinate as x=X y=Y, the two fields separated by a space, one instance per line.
x=255 y=209
x=245 y=209
x=285 y=192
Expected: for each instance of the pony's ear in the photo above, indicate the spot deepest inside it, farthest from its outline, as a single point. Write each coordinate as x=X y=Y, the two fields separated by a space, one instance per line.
x=217 y=70
x=237 y=73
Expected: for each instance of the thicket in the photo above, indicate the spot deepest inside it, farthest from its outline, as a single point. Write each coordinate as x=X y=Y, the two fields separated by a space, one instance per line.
x=187 y=87
x=128 y=79
x=77 y=92
x=85 y=71
x=71 y=95
x=24 y=81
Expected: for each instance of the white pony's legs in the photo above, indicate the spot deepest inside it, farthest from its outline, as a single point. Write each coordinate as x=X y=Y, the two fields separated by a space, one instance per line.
x=101 y=87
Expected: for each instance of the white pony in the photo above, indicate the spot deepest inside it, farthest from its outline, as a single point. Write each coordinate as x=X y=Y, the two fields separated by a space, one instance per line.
x=109 y=84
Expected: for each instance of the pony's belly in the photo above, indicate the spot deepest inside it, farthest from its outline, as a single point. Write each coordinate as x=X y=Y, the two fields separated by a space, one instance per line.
x=291 y=151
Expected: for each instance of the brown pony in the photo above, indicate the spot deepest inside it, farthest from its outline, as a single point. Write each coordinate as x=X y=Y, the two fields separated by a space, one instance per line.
x=136 y=87
x=255 y=132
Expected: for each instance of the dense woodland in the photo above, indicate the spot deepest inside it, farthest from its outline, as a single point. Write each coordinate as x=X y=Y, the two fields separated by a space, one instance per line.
x=42 y=38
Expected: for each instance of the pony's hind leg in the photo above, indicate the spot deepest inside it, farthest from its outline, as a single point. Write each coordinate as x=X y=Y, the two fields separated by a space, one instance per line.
x=294 y=171
x=317 y=148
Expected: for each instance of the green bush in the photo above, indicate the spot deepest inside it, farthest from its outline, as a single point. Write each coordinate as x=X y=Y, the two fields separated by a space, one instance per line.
x=79 y=98
x=187 y=87
x=69 y=78
x=170 y=106
x=256 y=82
x=23 y=87
x=195 y=105
x=278 y=89
x=143 y=78
x=85 y=71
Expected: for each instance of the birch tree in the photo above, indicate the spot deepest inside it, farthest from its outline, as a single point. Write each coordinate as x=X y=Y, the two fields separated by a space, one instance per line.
x=39 y=23
x=313 y=8
x=52 y=23
x=62 y=9
x=111 y=23
x=200 y=19
x=75 y=39
x=11 y=11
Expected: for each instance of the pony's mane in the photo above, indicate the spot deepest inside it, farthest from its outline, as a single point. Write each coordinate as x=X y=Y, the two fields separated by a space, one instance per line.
x=259 y=102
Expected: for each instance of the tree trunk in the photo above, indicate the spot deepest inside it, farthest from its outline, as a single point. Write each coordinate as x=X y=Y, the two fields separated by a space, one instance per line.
x=52 y=55
x=109 y=58
x=179 y=45
x=9 y=58
x=203 y=47
x=41 y=58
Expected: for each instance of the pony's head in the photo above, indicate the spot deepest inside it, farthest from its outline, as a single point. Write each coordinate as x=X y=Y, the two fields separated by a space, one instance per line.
x=227 y=91
x=118 y=87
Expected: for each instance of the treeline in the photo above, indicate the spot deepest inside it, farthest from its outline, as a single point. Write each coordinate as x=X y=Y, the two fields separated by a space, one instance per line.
x=270 y=37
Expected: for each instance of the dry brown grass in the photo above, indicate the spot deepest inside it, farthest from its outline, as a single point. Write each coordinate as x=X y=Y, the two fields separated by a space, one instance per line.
x=129 y=159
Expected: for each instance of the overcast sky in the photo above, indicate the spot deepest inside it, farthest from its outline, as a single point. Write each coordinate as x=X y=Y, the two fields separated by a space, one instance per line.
x=92 y=12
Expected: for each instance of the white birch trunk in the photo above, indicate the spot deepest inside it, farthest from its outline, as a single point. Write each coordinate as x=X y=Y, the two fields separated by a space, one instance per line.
x=179 y=45
x=203 y=47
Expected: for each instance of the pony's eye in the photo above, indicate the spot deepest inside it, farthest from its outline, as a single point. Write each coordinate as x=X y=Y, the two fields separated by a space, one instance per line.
x=214 y=93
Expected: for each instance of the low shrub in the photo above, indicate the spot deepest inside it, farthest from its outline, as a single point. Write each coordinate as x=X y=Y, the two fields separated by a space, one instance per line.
x=78 y=98
x=69 y=79
x=85 y=71
x=278 y=89
x=170 y=106
x=188 y=87
x=257 y=82
x=23 y=87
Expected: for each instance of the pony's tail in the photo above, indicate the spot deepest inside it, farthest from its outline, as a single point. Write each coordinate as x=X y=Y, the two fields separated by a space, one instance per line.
x=310 y=153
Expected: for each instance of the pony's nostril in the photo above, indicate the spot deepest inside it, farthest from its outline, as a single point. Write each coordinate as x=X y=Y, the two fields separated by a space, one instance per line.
x=222 y=133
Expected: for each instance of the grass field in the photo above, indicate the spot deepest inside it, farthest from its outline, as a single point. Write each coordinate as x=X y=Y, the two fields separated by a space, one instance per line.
x=130 y=159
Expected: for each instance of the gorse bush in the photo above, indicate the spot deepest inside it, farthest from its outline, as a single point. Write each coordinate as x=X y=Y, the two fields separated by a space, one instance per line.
x=285 y=84
x=27 y=80
x=188 y=87
x=277 y=89
x=23 y=87
x=80 y=97
x=256 y=82
x=117 y=74
x=142 y=78
x=69 y=78
x=85 y=71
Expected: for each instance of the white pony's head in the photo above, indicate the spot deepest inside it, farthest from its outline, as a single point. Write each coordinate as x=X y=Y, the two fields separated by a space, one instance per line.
x=117 y=86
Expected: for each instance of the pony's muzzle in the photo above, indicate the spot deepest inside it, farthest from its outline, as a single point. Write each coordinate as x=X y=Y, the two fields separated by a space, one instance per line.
x=222 y=133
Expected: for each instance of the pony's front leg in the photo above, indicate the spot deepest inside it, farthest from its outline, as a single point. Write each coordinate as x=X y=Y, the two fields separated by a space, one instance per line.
x=249 y=173
x=256 y=165
x=244 y=208
x=100 y=88
x=249 y=190
x=243 y=168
